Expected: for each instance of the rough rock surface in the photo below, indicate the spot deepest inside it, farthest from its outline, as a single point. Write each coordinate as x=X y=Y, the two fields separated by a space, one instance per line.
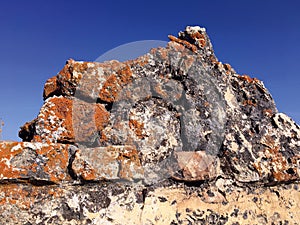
x=172 y=137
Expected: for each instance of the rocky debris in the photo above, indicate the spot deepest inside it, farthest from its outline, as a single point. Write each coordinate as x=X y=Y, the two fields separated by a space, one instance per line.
x=172 y=137
x=117 y=203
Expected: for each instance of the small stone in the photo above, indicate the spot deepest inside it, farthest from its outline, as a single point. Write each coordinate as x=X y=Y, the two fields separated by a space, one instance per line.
x=198 y=165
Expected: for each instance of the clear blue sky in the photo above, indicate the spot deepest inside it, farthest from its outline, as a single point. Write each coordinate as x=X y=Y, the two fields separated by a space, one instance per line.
x=258 y=37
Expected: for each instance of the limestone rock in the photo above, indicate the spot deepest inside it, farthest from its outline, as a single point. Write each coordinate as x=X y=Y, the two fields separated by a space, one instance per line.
x=172 y=137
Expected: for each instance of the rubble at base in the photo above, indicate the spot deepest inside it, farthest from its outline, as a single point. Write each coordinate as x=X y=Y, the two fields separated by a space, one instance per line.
x=118 y=203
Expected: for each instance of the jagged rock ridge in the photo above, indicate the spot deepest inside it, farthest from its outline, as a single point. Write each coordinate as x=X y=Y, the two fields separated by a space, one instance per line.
x=154 y=140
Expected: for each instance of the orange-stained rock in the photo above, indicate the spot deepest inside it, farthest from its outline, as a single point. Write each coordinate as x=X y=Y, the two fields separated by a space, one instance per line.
x=197 y=166
x=108 y=163
x=90 y=80
x=34 y=162
x=183 y=42
x=114 y=84
x=65 y=120
x=53 y=85
x=50 y=87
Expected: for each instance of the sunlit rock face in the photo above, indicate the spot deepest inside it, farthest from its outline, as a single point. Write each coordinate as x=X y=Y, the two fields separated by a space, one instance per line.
x=172 y=137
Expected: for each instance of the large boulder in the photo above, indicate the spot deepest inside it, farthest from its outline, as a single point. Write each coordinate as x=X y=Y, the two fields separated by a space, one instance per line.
x=172 y=137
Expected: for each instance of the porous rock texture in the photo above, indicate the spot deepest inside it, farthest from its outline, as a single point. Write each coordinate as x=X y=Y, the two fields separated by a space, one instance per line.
x=172 y=137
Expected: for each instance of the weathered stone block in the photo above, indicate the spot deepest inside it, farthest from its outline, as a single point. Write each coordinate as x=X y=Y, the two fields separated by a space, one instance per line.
x=34 y=162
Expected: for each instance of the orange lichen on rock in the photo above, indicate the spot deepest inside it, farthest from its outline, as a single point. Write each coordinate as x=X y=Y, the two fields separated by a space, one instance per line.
x=249 y=102
x=279 y=165
x=80 y=67
x=200 y=38
x=84 y=170
x=107 y=163
x=50 y=87
x=88 y=120
x=7 y=153
x=101 y=117
x=125 y=75
x=69 y=78
x=183 y=42
x=24 y=197
x=55 y=121
x=66 y=71
x=213 y=59
x=130 y=164
x=275 y=163
x=163 y=53
x=137 y=127
x=16 y=195
x=196 y=35
x=110 y=89
x=95 y=164
x=248 y=79
x=206 y=104
x=45 y=162
x=114 y=83
x=268 y=112
x=63 y=120
x=172 y=137
x=57 y=162
x=55 y=84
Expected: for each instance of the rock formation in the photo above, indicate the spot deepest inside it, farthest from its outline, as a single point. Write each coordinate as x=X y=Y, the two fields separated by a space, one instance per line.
x=172 y=137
